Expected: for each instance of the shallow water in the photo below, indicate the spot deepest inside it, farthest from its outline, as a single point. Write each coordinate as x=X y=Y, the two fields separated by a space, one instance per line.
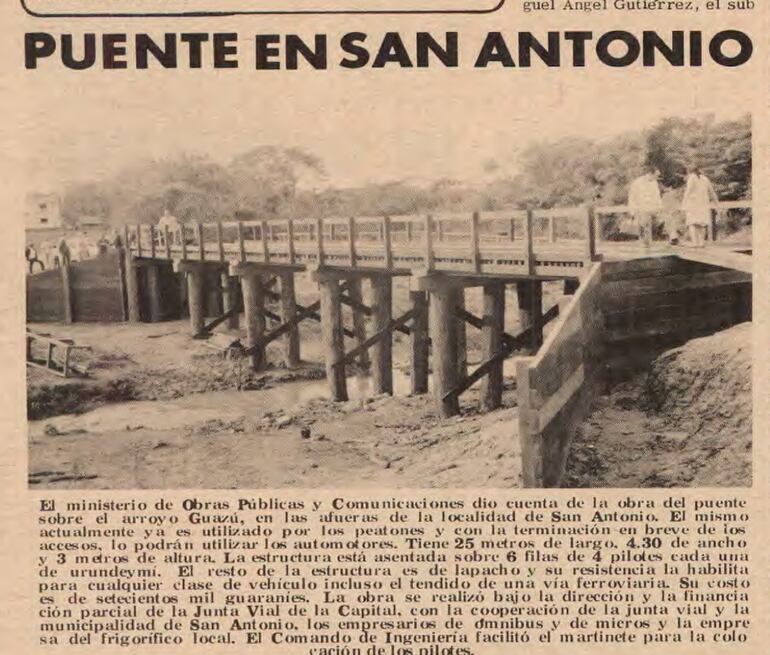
x=225 y=406
x=229 y=405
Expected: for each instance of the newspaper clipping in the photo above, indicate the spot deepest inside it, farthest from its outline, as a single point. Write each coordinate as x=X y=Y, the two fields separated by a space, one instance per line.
x=385 y=327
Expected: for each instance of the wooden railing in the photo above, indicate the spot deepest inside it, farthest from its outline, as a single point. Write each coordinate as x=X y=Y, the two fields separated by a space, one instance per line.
x=518 y=242
x=602 y=212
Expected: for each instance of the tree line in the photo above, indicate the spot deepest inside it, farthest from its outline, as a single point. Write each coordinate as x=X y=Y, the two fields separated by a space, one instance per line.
x=269 y=182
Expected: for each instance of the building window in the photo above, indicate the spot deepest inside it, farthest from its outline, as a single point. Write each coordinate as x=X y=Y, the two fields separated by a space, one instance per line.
x=43 y=220
x=43 y=205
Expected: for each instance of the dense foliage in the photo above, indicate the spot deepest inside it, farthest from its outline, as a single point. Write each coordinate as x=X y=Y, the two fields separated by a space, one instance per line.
x=270 y=182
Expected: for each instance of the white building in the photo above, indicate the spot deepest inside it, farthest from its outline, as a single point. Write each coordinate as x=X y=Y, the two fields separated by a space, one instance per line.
x=42 y=211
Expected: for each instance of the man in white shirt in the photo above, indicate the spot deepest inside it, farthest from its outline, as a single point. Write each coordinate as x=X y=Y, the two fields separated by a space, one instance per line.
x=645 y=202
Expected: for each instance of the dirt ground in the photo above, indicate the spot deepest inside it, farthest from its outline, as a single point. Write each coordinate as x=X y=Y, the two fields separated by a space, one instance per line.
x=161 y=410
x=685 y=422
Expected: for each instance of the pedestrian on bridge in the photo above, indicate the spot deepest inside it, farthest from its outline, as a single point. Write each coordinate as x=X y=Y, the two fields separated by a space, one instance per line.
x=645 y=203
x=696 y=203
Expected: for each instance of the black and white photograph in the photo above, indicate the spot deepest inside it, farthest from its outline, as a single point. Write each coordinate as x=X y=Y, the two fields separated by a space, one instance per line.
x=545 y=302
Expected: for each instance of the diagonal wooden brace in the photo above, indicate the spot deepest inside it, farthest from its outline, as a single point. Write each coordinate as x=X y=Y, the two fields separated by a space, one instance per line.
x=382 y=334
x=511 y=344
x=206 y=330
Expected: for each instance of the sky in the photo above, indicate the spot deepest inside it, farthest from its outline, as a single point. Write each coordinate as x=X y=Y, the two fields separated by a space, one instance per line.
x=366 y=126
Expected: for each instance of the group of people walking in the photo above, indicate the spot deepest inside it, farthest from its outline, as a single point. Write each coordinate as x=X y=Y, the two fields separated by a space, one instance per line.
x=78 y=247
x=645 y=203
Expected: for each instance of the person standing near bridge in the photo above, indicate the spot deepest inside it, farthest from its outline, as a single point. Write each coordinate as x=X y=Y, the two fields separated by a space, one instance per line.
x=169 y=223
x=696 y=203
x=645 y=202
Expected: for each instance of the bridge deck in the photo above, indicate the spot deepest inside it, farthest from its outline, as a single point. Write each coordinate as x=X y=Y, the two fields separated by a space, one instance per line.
x=542 y=244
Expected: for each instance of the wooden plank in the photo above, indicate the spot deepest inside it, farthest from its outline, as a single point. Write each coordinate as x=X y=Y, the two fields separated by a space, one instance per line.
x=154 y=293
x=284 y=328
x=290 y=229
x=360 y=312
x=419 y=343
x=152 y=241
x=206 y=330
x=483 y=369
x=319 y=229
x=195 y=300
x=529 y=254
x=66 y=290
x=381 y=289
x=430 y=259
x=717 y=317
x=254 y=316
x=377 y=337
x=265 y=242
x=199 y=237
x=291 y=344
x=331 y=336
x=462 y=334
x=183 y=240
x=475 y=254
x=167 y=241
x=352 y=241
x=220 y=242
x=443 y=331
x=590 y=226
x=614 y=291
x=492 y=343
x=352 y=300
x=241 y=243
x=230 y=298
x=388 y=241
x=733 y=260
x=688 y=299
x=557 y=365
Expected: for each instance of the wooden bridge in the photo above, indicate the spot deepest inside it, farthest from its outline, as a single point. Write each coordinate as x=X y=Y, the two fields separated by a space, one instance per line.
x=443 y=255
x=622 y=304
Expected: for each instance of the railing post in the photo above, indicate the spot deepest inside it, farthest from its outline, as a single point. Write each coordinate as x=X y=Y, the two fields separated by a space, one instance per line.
x=220 y=242
x=387 y=241
x=152 y=241
x=475 y=254
x=290 y=228
x=352 y=241
x=512 y=229
x=429 y=255
x=529 y=257
x=138 y=240
x=597 y=226
x=241 y=244
x=166 y=241
x=66 y=283
x=199 y=235
x=265 y=246
x=552 y=229
x=711 y=228
x=183 y=239
x=590 y=233
x=319 y=227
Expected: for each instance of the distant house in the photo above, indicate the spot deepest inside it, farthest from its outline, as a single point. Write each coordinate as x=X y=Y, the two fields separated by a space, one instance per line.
x=42 y=211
